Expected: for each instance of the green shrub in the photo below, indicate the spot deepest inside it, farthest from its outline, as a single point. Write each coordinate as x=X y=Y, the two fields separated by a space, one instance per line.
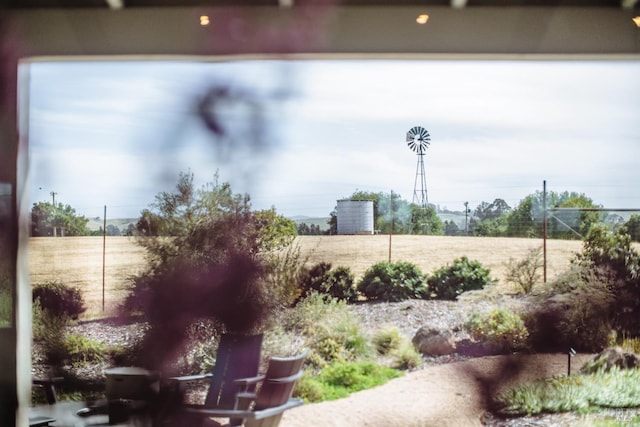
x=386 y=281
x=502 y=330
x=59 y=299
x=331 y=331
x=73 y=349
x=81 y=349
x=525 y=273
x=337 y=283
x=309 y=389
x=47 y=327
x=339 y=379
x=284 y=273
x=579 y=317
x=610 y=256
x=574 y=278
x=463 y=275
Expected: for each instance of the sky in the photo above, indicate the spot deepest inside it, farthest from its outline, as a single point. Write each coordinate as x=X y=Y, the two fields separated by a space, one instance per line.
x=300 y=135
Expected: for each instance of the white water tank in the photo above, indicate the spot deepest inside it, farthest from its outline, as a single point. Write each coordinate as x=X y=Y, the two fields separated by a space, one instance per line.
x=355 y=216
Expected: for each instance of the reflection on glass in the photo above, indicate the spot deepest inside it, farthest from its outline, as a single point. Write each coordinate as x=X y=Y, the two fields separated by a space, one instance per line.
x=6 y=300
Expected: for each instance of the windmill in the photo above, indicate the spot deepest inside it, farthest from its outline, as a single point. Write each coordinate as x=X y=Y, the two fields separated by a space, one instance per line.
x=418 y=140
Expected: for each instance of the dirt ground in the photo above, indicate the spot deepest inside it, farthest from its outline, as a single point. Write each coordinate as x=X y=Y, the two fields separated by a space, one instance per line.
x=453 y=394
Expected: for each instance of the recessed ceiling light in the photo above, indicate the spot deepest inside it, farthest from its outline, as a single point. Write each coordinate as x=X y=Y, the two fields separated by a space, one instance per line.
x=636 y=21
x=204 y=20
x=422 y=19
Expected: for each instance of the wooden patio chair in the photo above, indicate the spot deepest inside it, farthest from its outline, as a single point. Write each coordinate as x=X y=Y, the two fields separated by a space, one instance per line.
x=261 y=400
x=238 y=356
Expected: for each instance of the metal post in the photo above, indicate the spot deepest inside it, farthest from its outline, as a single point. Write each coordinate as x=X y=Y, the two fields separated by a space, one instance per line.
x=570 y=354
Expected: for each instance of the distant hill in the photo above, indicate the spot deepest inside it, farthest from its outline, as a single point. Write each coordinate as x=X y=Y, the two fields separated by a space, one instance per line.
x=323 y=223
x=122 y=223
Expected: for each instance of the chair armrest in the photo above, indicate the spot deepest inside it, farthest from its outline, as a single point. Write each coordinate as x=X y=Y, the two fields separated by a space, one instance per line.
x=189 y=378
x=243 y=414
x=294 y=377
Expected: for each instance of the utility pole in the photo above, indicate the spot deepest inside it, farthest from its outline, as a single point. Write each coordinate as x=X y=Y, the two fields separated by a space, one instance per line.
x=55 y=211
x=466 y=215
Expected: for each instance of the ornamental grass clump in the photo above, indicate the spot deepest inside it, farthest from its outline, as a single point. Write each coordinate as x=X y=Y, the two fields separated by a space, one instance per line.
x=390 y=342
x=615 y=388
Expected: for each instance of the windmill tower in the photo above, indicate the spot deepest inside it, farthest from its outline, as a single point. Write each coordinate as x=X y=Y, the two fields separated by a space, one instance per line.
x=418 y=139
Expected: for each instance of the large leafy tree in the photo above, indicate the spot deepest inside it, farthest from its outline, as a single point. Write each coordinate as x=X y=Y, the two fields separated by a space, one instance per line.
x=489 y=211
x=274 y=231
x=490 y=227
x=526 y=219
x=571 y=223
x=425 y=221
x=568 y=222
x=209 y=256
x=451 y=228
x=490 y=218
x=45 y=217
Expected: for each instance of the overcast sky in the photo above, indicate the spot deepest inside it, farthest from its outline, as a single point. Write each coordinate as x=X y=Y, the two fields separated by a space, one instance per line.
x=300 y=135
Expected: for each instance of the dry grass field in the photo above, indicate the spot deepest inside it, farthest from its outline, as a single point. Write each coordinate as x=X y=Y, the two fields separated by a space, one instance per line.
x=77 y=261
x=432 y=252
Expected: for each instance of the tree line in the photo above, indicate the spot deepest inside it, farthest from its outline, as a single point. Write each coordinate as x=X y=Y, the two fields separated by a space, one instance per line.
x=569 y=215
x=392 y=215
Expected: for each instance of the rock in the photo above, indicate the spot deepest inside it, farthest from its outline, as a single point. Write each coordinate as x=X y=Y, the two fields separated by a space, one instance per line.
x=434 y=342
x=614 y=356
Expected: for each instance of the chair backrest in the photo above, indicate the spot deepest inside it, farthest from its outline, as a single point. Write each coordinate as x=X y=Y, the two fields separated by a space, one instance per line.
x=238 y=356
x=280 y=379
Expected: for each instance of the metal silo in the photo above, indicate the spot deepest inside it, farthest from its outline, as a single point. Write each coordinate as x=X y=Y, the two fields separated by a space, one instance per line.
x=355 y=216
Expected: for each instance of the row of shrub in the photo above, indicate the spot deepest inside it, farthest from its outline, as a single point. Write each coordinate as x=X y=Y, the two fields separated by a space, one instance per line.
x=397 y=281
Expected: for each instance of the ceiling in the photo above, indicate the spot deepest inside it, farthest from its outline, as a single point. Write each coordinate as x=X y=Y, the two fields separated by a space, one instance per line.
x=117 y=4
